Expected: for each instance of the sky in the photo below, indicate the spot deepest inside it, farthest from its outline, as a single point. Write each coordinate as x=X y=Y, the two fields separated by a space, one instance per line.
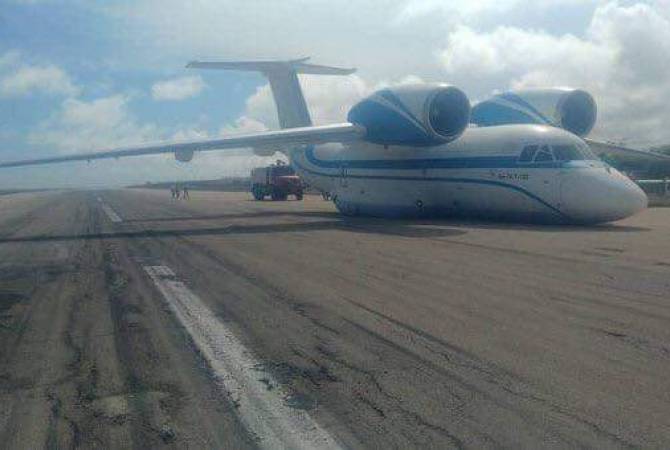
x=77 y=76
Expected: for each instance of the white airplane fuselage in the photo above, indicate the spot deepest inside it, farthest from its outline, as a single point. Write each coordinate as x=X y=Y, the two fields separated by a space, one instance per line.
x=479 y=174
x=423 y=149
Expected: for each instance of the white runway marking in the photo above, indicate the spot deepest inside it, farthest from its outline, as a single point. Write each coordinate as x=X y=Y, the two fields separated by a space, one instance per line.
x=261 y=402
x=111 y=214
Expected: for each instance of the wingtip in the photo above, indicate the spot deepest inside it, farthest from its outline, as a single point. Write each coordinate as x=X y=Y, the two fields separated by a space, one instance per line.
x=299 y=60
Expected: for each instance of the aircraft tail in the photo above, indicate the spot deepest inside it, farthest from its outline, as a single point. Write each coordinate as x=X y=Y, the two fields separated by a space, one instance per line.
x=283 y=77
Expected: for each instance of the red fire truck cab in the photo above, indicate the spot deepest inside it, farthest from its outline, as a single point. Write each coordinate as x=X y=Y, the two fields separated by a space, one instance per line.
x=277 y=181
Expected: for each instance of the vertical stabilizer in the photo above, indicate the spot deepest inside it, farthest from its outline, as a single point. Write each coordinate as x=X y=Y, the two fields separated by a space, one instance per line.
x=283 y=78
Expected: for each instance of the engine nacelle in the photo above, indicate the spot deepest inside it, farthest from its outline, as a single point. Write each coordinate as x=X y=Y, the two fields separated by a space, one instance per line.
x=571 y=109
x=413 y=115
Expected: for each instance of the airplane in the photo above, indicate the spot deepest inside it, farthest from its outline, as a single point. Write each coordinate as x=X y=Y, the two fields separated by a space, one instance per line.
x=423 y=150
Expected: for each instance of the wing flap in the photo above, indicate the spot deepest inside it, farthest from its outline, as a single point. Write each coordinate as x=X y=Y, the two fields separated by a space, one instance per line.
x=344 y=132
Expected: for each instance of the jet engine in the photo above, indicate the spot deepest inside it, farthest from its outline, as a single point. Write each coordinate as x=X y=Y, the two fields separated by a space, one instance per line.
x=571 y=109
x=413 y=115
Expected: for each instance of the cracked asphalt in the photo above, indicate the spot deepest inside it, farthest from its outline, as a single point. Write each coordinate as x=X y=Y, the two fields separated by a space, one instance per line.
x=392 y=334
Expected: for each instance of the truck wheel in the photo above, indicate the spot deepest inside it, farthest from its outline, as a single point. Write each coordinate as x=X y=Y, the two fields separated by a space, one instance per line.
x=258 y=195
x=298 y=196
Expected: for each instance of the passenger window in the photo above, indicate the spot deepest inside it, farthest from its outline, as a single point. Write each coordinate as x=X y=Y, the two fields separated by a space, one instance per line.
x=544 y=154
x=528 y=153
x=567 y=153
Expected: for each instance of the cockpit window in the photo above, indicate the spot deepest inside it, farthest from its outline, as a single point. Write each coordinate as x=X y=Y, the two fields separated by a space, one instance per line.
x=567 y=153
x=528 y=153
x=544 y=154
x=557 y=152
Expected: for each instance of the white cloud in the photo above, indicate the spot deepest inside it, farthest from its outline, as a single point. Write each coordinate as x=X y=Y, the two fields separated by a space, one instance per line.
x=178 y=88
x=90 y=125
x=617 y=50
x=622 y=60
x=329 y=99
x=471 y=9
x=511 y=56
x=29 y=79
x=244 y=124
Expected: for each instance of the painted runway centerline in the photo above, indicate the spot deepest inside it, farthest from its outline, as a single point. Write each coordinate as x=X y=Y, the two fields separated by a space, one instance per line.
x=265 y=412
x=111 y=214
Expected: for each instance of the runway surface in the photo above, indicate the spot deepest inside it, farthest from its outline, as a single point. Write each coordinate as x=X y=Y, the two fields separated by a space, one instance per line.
x=132 y=320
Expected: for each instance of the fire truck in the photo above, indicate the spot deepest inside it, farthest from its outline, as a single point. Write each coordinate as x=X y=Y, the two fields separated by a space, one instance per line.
x=277 y=181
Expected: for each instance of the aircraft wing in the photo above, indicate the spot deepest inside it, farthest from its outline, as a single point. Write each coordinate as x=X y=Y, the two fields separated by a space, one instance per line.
x=183 y=150
x=629 y=154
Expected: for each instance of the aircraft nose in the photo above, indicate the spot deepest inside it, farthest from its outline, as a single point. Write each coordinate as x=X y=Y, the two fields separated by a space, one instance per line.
x=628 y=199
x=602 y=197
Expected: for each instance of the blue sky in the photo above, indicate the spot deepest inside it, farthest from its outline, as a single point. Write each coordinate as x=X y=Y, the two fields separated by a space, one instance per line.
x=91 y=47
x=77 y=76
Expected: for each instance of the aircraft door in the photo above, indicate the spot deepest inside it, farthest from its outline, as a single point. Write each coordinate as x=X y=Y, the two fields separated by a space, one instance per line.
x=550 y=176
x=545 y=176
x=564 y=154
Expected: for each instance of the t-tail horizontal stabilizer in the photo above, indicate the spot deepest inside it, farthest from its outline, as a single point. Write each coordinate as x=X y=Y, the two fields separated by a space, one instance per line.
x=297 y=65
x=291 y=106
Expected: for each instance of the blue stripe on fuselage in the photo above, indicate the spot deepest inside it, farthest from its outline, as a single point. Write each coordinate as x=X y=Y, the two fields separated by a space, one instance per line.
x=471 y=162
